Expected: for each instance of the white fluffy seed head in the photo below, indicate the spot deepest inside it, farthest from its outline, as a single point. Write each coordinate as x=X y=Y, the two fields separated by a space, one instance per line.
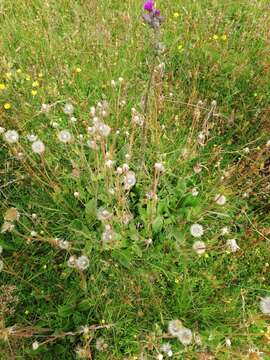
x=196 y=230
x=35 y=345
x=11 y=136
x=199 y=247
x=129 y=180
x=82 y=263
x=38 y=147
x=68 y=109
x=232 y=245
x=265 y=305
x=65 y=136
x=159 y=167
x=185 y=336
x=174 y=327
x=2 y=130
x=32 y=137
x=220 y=199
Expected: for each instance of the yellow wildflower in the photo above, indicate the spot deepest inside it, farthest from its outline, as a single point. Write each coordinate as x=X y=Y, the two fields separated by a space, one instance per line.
x=19 y=71
x=78 y=70
x=215 y=37
x=2 y=86
x=34 y=92
x=176 y=15
x=7 y=106
x=40 y=75
x=35 y=84
x=8 y=75
x=27 y=77
x=180 y=47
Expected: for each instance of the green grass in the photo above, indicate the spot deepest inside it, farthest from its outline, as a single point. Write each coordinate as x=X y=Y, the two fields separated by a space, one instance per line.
x=215 y=51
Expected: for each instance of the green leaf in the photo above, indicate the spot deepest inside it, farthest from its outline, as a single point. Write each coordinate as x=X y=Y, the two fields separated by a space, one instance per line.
x=157 y=224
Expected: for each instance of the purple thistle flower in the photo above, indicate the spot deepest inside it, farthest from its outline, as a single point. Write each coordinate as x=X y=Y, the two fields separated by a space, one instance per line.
x=149 y=5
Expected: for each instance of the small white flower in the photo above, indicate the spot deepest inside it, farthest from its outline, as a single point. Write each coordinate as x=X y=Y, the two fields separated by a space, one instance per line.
x=265 y=305
x=199 y=247
x=197 y=168
x=225 y=230
x=33 y=233
x=159 y=167
x=72 y=261
x=2 y=130
x=167 y=349
x=113 y=83
x=65 y=136
x=38 y=147
x=159 y=357
x=246 y=150
x=109 y=163
x=104 y=215
x=34 y=216
x=82 y=263
x=129 y=180
x=107 y=237
x=35 y=345
x=220 y=199
x=45 y=108
x=268 y=143
x=104 y=130
x=232 y=245
x=194 y=192
x=127 y=156
x=120 y=79
x=64 y=244
x=196 y=230
x=92 y=144
x=92 y=111
x=125 y=167
x=185 y=336
x=55 y=125
x=31 y=137
x=68 y=109
x=228 y=342
x=1 y=265
x=119 y=170
x=73 y=120
x=11 y=136
x=104 y=113
x=76 y=194
x=174 y=327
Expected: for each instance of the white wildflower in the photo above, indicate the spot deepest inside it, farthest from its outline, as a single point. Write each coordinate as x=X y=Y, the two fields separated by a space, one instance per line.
x=64 y=244
x=104 y=129
x=129 y=180
x=225 y=230
x=167 y=349
x=113 y=83
x=108 y=236
x=265 y=305
x=119 y=170
x=268 y=143
x=55 y=125
x=45 y=108
x=220 y=199
x=76 y=194
x=92 y=111
x=92 y=144
x=197 y=168
x=65 y=136
x=68 y=109
x=103 y=214
x=33 y=233
x=246 y=150
x=125 y=167
x=174 y=327
x=159 y=167
x=185 y=336
x=35 y=345
x=32 y=137
x=2 y=130
x=109 y=163
x=194 y=192
x=120 y=79
x=232 y=245
x=73 y=120
x=82 y=263
x=11 y=136
x=199 y=247
x=160 y=357
x=34 y=216
x=228 y=342
x=72 y=261
x=196 y=230
x=38 y=147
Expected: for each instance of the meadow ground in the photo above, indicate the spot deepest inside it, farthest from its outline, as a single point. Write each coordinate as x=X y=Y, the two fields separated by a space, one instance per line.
x=135 y=212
